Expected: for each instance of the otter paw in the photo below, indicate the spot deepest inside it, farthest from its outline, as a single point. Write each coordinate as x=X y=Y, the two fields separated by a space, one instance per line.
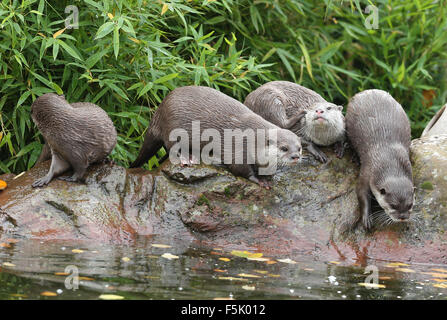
x=41 y=182
x=339 y=149
x=320 y=156
x=367 y=223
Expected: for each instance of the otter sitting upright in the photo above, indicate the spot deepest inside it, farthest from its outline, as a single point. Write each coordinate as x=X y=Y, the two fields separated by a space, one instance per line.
x=77 y=137
x=379 y=130
x=282 y=102
x=218 y=116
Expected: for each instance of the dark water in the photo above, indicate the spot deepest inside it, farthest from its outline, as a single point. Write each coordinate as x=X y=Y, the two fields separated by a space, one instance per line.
x=35 y=270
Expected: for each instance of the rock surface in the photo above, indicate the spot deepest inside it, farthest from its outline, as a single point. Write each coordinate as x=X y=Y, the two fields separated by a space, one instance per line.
x=301 y=214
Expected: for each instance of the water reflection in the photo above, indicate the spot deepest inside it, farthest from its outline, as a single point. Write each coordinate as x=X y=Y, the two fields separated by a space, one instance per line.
x=161 y=268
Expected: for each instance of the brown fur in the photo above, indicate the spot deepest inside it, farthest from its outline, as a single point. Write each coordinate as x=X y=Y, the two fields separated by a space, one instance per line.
x=77 y=136
x=379 y=131
x=282 y=102
x=214 y=110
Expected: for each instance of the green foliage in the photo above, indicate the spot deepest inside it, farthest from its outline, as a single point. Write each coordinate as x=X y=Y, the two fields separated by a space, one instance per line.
x=127 y=55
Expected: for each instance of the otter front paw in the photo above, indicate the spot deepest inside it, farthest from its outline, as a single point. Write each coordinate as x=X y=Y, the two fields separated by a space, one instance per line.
x=339 y=149
x=367 y=222
x=41 y=182
x=320 y=156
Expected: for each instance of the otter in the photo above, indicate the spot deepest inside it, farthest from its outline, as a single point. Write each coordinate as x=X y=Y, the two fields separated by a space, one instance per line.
x=281 y=103
x=217 y=112
x=45 y=154
x=76 y=136
x=379 y=131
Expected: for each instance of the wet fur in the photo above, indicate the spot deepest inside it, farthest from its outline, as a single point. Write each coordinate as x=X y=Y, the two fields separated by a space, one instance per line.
x=214 y=110
x=77 y=135
x=281 y=102
x=379 y=131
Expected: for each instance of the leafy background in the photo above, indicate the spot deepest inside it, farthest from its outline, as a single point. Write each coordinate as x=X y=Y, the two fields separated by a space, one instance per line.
x=127 y=55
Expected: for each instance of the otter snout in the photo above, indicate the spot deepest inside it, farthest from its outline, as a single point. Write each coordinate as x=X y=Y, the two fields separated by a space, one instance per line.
x=295 y=157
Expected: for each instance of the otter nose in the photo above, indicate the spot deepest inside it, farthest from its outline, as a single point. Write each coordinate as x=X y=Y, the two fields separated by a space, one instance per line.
x=295 y=157
x=319 y=111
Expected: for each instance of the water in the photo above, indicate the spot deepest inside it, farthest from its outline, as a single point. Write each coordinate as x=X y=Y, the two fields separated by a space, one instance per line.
x=32 y=269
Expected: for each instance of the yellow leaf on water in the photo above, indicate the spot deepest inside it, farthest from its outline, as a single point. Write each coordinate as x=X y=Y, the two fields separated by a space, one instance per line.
x=169 y=256
x=372 y=285
x=232 y=279
x=61 y=274
x=249 y=288
x=246 y=254
x=436 y=275
x=308 y=269
x=58 y=33
x=77 y=251
x=220 y=270
x=439 y=280
x=110 y=297
x=7 y=264
x=258 y=259
x=385 y=278
x=404 y=270
x=334 y=262
x=246 y=275
x=261 y=271
x=5 y=245
x=396 y=264
x=159 y=245
x=86 y=279
x=274 y=275
x=164 y=9
x=125 y=259
x=440 y=270
x=224 y=259
x=440 y=285
x=289 y=261
x=48 y=294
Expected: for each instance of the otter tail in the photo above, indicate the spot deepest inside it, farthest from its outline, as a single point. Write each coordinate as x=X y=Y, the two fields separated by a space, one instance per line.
x=150 y=147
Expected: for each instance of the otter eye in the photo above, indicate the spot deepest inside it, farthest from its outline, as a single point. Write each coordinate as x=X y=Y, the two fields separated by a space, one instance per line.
x=328 y=108
x=285 y=149
x=382 y=191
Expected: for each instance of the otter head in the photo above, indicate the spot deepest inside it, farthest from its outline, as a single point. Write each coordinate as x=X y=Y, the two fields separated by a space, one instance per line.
x=284 y=146
x=324 y=123
x=395 y=194
x=45 y=103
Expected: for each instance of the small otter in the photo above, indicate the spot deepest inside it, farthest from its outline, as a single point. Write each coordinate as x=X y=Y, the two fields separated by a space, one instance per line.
x=281 y=103
x=77 y=137
x=438 y=124
x=217 y=112
x=379 y=130
x=45 y=154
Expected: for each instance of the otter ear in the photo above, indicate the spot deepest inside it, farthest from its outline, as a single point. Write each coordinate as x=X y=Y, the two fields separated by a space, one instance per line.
x=382 y=191
x=340 y=108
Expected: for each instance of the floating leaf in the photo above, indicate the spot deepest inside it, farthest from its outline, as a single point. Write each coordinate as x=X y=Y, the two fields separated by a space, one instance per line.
x=61 y=274
x=232 y=279
x=385 y=278
x=308 y=269
x=404 y=270
x=48 y=294
x=86 y=279
x=169 y=256
x=258 y=259
x=289 y=261
x=110 y=297
x=246 y=254
x=246 y=275
x=158 y=245
x=436 y=275
x=372 y=285
x=248 y=288
x=440 y=285
x=396 y=264
x=7 y=264
x=274 y=275
x=334 y=262
x=5 y=245
x=3 y=185
x=440 y=270
x=224 y=259
x=77 y=251
x=439 y=280
x=220 y=270
x=261 y=271
x=125 y=259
